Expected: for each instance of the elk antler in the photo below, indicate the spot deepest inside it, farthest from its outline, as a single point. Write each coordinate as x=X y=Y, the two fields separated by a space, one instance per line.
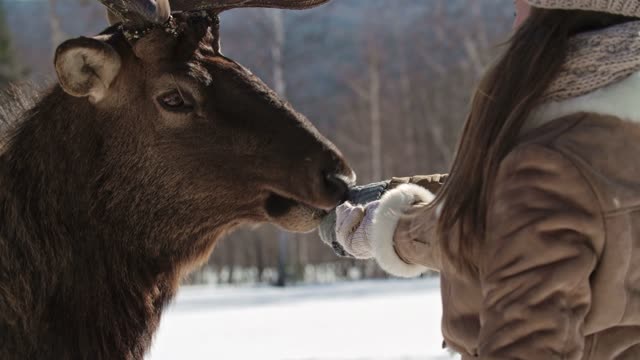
x=139 y=11
x=222 y=5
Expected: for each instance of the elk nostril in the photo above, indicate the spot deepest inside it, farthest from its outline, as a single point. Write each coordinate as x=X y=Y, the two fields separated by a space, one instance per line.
x=337 y=185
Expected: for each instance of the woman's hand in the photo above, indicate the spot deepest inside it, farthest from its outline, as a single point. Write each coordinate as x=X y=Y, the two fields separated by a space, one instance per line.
x=349 y=236
x=366 y=230
x=353 y=228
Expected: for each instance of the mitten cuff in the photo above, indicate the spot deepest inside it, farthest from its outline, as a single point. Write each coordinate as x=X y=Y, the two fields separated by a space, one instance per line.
x=392 y=207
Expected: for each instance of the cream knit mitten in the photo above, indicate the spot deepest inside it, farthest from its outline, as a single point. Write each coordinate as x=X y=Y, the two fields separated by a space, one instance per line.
x=347 y=239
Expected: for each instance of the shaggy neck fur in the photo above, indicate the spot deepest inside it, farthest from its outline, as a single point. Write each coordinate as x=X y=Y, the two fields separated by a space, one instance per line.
x=619 y=99
x=81 y=273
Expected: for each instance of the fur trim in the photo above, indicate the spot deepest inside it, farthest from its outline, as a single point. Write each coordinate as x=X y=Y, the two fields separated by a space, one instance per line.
x=619 y=99
x=392 y=206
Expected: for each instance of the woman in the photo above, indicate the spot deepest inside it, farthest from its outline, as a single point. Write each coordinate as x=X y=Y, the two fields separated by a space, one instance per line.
x=536 y=232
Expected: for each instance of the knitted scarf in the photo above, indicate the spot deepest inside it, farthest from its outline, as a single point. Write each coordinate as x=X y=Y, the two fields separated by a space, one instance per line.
x=597 y=59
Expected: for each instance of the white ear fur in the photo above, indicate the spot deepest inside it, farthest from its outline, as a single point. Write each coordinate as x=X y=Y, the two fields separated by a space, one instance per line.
x=86 y=67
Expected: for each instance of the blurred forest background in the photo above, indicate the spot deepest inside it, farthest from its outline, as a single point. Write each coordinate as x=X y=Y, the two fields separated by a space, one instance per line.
x=388 y=81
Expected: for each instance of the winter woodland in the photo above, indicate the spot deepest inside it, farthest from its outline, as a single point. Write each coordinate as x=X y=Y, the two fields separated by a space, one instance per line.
x=387 y=80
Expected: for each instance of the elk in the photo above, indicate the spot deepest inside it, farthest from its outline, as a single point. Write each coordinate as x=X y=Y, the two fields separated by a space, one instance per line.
x=122 y=176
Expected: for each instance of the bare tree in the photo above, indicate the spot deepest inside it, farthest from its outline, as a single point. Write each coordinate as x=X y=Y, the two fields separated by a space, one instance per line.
x=280 y=86
x=57 y=34
x=375 y=115
x=8 y=67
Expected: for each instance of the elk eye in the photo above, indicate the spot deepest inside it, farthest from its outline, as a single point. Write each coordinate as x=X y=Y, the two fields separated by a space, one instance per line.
x=175 y=101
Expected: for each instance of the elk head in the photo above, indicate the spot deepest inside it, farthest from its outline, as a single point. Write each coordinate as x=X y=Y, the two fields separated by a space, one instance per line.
x=193 y=125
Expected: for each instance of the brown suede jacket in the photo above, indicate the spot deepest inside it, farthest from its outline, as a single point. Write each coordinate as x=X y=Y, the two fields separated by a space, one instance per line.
x=560 y=266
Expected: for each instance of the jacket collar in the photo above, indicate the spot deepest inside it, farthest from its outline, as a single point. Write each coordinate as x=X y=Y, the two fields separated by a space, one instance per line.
x=621 y=100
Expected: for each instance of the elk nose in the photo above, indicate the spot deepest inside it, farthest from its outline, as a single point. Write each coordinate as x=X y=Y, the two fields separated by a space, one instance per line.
x=337 y=185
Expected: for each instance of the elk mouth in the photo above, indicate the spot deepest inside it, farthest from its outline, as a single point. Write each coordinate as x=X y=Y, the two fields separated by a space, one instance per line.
x=292 y=215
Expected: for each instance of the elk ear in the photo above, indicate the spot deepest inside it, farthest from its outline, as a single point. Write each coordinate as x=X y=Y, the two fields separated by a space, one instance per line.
x=112 y=18
x=86 y=67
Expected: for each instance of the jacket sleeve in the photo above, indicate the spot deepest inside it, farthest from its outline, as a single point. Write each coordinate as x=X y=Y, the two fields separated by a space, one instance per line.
x=544 y=236
x=432 y=183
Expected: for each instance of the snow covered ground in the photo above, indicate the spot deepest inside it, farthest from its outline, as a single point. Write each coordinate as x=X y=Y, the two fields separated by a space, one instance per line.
x=373 y=320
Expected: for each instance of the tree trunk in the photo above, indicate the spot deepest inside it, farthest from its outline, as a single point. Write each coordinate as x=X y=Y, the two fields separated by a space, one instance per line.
x=283 y=252
x=277 y=50
x=258 y=248
x=57 y=35
x=375 y=116
x=409 y=131
x=280 y=86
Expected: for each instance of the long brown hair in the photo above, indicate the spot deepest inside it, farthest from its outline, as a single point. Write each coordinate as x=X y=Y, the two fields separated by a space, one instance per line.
x=506 y=95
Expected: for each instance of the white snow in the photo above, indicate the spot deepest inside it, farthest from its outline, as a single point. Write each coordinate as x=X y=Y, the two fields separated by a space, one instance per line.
x=381 y=320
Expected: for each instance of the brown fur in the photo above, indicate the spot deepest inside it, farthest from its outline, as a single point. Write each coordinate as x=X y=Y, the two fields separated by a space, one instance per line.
x=105 y=206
